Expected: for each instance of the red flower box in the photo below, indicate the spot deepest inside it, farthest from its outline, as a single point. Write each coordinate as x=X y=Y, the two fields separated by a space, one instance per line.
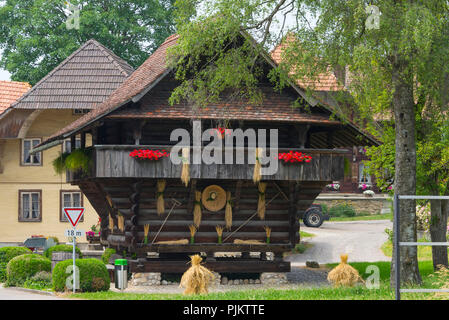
x=148 y=154
x=294 y=157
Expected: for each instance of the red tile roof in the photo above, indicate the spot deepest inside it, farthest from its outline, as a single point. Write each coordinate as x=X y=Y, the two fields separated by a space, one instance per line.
x=325 y=81
x=10 y=91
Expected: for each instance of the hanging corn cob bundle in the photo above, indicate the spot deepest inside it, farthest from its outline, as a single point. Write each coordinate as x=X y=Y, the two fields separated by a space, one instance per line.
x=228 y=211
x=121 y=222
x=160 y=196
x=196 y=279
x=219 y=230
x=185 y=173
x=197 y=209
x=268 y=233
x=146 y=230
x=192 y=233
x=261 y=204
x=343 y=274
x=111 y=223
x=257 y=165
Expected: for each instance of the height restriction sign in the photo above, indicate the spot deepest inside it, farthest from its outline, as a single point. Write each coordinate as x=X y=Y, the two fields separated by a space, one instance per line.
x=74 y=215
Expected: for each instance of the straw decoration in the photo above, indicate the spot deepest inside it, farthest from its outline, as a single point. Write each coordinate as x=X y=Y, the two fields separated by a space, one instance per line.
x=344 y=275
x=185 y=173
x=257 y=175
x=192 y=233
x=121 y=222
x=160 y=196
x=261 y=204
x=111 y=223
x=146 y=230
x=197 y=209
x=219 y=230
x=197 y=278
x=228 y=211
x=268 y=233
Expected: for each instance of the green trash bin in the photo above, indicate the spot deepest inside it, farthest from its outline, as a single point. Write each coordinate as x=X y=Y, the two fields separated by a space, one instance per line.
x=121 y=274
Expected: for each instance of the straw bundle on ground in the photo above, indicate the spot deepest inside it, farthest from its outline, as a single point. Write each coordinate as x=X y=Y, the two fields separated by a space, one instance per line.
x=219 y=230
x=185 y=173
x=192 y=233
x=268 y=233
x=197 y=209
x=160 y=196
x=239 y=241
x=257 y=166
x=261 y=204
x=344 y=275
x=111 y=223
x=121 y=222
x=181 y=241
x=228 y=211
x=197 y=279
x=146 y=230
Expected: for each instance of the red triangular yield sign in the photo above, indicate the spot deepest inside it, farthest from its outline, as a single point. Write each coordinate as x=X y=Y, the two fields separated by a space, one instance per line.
x=74 y=215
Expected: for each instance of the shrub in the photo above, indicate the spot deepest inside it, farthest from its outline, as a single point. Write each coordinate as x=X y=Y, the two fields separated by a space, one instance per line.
x=107 y=254
x=93 y=275
x=61 y=248
x=41 y=280
x=342 y=210
x=23 y=267
x=6 y=254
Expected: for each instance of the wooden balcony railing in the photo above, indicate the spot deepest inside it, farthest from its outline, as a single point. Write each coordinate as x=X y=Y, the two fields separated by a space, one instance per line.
x=114 y=161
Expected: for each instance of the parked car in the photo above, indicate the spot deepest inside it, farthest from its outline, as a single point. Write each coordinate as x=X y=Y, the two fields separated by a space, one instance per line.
x=314 y=216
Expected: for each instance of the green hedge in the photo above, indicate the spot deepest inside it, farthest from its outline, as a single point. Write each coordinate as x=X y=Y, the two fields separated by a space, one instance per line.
x=342 y=210
x=108 y=252
x=93 y=275
x=21 y=268
x=6 y=254
x=61 y=248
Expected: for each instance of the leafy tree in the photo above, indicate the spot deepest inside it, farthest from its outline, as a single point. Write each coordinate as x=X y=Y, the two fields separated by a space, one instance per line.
x=404 y=57
x=35 y=38
x=432 y=170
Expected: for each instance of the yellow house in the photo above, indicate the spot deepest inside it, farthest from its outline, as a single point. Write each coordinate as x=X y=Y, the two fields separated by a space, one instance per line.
x=32 y=195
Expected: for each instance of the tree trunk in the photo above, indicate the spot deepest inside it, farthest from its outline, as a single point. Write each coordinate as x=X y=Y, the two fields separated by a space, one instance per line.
x=405 y=169
x=438 y=225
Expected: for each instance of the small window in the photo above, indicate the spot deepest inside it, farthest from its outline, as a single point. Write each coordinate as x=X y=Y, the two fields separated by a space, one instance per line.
x=364 y=177
x=67 y=144
x=30 y=205
x=70 y=199
x=80 y=111
x=28 y=159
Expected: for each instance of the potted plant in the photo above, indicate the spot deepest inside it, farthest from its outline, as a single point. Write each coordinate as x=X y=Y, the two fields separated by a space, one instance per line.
x=93 y=235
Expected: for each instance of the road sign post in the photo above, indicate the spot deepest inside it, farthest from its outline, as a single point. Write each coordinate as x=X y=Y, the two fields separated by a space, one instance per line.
x=74 y=215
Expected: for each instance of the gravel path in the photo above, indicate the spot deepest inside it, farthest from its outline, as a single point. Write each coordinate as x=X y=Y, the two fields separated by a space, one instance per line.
x=361 y=240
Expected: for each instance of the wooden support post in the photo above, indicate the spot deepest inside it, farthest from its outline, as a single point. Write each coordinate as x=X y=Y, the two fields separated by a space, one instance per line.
x=330 y=139
x=137 y=133
x=83 y=140
x=292 y=214
x=72 y=143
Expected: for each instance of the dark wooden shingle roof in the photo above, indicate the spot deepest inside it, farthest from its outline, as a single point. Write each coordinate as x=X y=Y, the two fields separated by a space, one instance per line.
x=82 y=81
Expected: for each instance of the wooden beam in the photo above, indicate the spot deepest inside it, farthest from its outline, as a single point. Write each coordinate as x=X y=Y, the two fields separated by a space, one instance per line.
x=303 y=131
x=293 y=214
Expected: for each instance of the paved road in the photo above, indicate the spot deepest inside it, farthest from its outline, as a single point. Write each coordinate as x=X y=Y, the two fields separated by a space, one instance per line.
x=14 y=294
x=361 y=240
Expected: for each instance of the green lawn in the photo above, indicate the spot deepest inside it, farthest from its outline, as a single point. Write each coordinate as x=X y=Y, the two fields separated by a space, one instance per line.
x=324 y=293
x=387 y=216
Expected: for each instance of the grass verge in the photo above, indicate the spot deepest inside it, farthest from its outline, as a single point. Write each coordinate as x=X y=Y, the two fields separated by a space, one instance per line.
x=384 y=292
x=387 y=216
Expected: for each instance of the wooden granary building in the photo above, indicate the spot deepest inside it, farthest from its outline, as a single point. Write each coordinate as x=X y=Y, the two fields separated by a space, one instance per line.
x=147 y=202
